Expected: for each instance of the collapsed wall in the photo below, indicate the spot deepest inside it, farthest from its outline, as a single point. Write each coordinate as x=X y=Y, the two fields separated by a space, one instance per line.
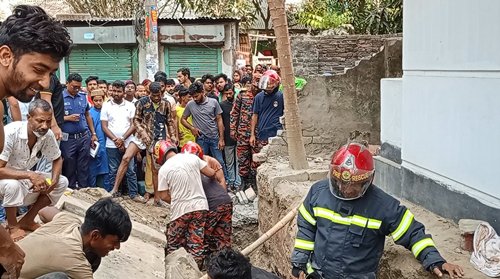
x=333 y=106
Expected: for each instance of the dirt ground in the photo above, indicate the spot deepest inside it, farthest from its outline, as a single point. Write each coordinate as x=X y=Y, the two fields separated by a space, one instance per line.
x=399 y=263
x=147 y=214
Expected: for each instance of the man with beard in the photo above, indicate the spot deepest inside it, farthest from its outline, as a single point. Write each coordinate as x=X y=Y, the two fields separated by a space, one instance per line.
x=31 y=46
x=76 y=141
x=153 y=122
x=233 y=178
x=184 y=77
x=121 y=145
x=207 y=124
x=25 y=143
x=220 y=82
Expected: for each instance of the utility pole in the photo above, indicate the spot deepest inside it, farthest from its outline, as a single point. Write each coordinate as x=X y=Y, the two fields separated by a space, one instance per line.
x=151 y=37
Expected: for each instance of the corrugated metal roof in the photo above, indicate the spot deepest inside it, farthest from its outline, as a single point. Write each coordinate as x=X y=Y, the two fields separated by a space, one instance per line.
x=88 y=17
x=200 y=18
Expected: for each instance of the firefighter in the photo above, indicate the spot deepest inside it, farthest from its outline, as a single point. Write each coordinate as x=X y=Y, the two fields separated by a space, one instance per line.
x=343 y=222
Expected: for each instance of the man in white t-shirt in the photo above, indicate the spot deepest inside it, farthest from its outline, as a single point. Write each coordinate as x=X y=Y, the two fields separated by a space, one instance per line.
x=116 y=118
x=179 y=183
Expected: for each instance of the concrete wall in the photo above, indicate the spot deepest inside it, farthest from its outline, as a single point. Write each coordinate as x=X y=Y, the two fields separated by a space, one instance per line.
x=333 y=106
x=327 y=54
x=449 y=110
x=450 y=101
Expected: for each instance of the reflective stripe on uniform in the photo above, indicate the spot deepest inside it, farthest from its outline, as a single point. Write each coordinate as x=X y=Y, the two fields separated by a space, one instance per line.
x=403 y=226
x=306 y=215
x=348 y=220
x=421 y=245
x=309 y=268
x=304 y=244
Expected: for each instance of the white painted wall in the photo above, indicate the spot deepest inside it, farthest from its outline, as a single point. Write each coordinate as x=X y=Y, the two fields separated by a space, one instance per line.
x=451 y=94
x=391 y=90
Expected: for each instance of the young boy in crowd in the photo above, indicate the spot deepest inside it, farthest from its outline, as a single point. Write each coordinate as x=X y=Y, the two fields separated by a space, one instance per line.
x=98 y=165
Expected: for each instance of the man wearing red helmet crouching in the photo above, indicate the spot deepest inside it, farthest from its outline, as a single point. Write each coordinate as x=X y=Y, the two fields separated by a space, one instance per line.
x=179 y=183
x=343 y=222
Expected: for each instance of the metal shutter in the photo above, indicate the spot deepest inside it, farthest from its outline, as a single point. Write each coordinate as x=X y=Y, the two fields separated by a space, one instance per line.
x=200 y=60
x=109 y=62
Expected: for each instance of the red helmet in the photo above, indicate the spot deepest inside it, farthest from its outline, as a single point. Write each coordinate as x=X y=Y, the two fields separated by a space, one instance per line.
x=193 y=148
x=269 y=80
x=351 y=171
x=160 y=151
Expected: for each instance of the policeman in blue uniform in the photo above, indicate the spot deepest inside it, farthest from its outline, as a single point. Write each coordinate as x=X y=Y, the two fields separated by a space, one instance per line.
x=78 y=133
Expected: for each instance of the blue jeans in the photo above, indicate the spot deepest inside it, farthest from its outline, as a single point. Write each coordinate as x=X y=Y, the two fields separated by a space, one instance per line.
x=114 y=160
x=233 y=178
x=211 y=146
x=101 y=180
x=2 y=214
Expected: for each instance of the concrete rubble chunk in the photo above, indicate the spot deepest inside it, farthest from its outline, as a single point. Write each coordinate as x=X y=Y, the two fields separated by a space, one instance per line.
x=96 y=192
x=259 y=157
x=181 y=265
x=468 y=225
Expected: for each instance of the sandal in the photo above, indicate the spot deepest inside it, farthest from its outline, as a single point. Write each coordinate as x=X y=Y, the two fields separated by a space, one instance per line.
x=160 y=203
x=139 y=199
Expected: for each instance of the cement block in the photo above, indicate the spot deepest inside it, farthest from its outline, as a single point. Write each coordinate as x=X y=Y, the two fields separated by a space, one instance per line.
x=139 y=230
x=259 y=157
x=277 y=141
x=315 y=175
x=181 y=265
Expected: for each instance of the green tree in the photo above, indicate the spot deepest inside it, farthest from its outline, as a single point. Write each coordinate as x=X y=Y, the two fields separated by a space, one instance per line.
x=365 y=16
x=322 y=15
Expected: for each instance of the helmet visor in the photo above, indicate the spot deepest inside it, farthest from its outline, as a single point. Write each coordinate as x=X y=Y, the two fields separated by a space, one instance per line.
x=348 y=190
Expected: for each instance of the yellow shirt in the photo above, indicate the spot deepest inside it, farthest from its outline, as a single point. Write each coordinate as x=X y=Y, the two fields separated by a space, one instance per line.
x=184 y=133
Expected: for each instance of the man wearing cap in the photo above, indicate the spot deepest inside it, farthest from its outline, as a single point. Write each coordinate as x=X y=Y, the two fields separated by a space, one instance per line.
x=98 y=166
x=25 y=143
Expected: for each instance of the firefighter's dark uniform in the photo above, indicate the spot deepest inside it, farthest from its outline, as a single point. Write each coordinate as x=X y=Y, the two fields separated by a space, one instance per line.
x=345 y=239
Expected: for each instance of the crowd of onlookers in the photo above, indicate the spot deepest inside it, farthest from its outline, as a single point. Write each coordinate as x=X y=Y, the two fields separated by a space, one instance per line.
x=119 y=135
x=105 y=130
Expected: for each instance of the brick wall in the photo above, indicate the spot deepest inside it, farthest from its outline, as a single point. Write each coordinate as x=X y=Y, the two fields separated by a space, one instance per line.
x=327 y=54
x=331 y=107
